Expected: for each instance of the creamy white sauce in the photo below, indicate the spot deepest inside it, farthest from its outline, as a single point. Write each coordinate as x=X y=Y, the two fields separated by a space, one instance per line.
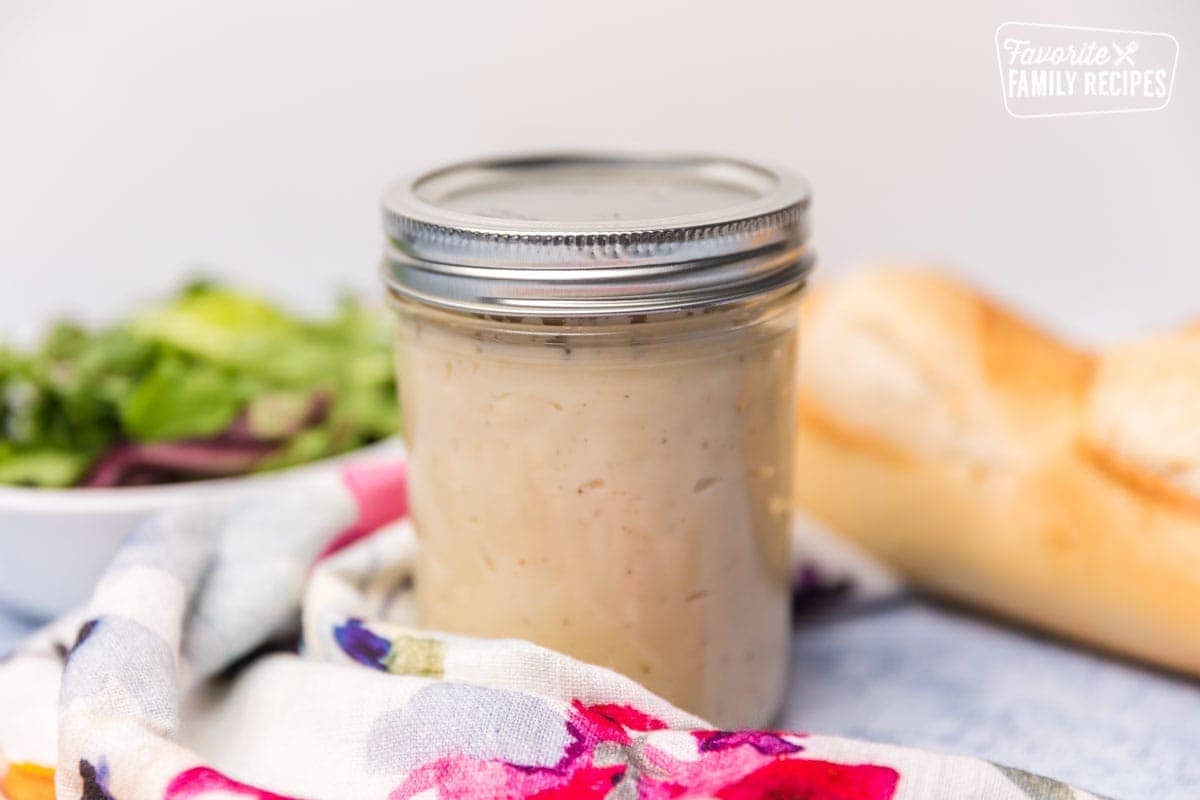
x=621 y=493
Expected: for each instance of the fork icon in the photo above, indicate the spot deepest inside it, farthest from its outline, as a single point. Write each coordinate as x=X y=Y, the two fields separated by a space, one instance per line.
x=1126 y=54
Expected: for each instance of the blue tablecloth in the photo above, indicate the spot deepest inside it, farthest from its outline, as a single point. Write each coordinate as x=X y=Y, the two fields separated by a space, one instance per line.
x=916 y=673
x=920 y=674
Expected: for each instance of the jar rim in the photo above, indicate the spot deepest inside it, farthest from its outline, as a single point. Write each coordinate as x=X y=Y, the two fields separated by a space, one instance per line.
x=584 y=234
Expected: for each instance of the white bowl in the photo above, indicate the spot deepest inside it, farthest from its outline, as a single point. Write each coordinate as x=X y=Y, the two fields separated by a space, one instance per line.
x=56 y=543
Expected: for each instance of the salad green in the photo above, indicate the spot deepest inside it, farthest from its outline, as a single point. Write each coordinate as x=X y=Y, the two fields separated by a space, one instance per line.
x=211 y=382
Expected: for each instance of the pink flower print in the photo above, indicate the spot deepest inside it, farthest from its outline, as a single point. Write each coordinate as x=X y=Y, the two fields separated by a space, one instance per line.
x=198 y=781
x=610 y=722
x=804 y=779
x=625 y=716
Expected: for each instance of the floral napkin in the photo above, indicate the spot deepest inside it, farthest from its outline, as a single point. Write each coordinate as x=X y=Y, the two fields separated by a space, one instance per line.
x=272 y=652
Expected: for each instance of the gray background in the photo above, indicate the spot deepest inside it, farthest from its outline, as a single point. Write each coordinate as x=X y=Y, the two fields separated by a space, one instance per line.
x=137 y=139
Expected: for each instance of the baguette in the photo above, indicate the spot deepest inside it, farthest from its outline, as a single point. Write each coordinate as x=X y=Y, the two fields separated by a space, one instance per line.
x=990 y=463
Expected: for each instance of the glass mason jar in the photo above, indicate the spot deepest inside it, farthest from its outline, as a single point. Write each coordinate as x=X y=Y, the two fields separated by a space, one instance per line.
x=597 y=361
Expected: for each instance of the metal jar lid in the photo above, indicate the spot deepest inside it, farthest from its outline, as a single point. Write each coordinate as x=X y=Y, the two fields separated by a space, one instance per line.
x=595 y=235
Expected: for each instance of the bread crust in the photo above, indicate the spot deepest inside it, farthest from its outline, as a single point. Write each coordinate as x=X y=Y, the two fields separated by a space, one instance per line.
x=991 y=463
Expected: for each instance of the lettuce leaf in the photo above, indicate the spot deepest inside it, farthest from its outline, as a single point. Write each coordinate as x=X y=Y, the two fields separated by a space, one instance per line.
x=208 y=365
x=178 y=400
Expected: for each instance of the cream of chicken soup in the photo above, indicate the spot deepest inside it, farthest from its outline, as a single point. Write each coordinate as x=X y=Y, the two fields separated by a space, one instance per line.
x=597 y=370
